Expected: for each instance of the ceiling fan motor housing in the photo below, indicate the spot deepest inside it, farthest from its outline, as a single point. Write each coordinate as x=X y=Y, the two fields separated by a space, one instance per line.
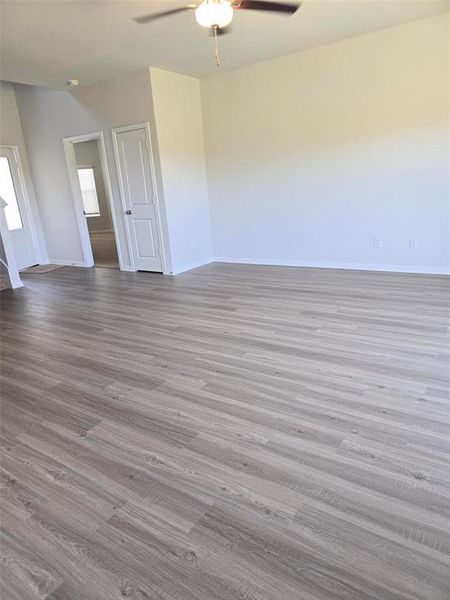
x=214 y=13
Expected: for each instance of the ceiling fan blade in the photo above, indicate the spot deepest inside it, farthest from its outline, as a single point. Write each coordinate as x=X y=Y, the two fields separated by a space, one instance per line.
x=281 y=7
x=166 y=13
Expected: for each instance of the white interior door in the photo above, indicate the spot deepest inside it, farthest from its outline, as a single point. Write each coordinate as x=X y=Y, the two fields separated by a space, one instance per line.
x=136 y=184
x=16 y=211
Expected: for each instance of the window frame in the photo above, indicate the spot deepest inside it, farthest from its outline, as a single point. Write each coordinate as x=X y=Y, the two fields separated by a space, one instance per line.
x=14 y=217
x=98 y=213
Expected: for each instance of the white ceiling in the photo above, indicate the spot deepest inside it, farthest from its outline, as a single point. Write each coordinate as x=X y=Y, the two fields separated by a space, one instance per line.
x=47 y=43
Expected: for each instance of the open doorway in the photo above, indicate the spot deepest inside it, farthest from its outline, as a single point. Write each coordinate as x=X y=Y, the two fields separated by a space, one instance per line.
x=135 y=242
x=93 y=201
x=18 y=216
x=96 y=205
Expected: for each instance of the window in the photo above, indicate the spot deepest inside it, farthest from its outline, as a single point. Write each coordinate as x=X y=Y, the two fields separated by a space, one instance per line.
x=8 y=193
x=89 y=192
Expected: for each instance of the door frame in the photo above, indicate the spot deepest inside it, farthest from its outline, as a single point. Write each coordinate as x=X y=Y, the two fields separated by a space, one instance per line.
x=71 y=162
x=26 y=200
x=162 y=238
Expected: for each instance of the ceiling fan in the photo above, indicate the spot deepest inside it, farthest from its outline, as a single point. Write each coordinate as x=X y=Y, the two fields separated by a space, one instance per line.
x=216 y=15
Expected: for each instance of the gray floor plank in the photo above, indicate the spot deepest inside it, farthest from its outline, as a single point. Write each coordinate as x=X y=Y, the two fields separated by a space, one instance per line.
x=233 y=433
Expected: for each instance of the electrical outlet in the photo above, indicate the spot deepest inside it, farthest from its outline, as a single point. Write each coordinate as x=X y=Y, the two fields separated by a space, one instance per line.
x=413 y=243
x=377 y=242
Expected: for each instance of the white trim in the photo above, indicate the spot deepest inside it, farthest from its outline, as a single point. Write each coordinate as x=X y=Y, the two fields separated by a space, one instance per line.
x=71 y=162
x=26 y=200
x=78 y=200
x=129 y=269
x=162 y=238
x=11 y=265
x=329 y=265
x=15 y=283
x=39 y=254
x=109 y=194
x=68 y=263
x=191 y=266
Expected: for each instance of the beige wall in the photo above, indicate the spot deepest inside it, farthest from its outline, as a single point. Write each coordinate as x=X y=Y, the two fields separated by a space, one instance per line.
x=11 y=134
x=311 y=156
x=47 y=117
x=87 y=155
x=179 y=131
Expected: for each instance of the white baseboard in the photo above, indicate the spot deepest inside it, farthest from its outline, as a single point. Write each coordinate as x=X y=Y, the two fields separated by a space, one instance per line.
x=16 y=284
x=191 y=266
x=330 y=265
x=289 y=263
x=66 y=263
x=128 y=269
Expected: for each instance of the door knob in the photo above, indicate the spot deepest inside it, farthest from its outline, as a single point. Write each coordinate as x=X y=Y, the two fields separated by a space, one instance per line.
x=128 y=212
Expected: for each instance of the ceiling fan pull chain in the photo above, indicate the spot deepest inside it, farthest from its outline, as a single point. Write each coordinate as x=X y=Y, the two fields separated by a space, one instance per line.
x=216 y=53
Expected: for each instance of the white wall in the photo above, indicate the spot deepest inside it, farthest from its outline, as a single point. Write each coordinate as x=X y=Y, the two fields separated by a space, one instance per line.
x=312 y=155
x=87 y=155
x=178 y=120
x=171 y=104
x=11 y=134
x=47 y=117
x=308 y=157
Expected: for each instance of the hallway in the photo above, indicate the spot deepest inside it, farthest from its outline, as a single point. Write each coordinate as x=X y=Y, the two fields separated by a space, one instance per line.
x=104 y=249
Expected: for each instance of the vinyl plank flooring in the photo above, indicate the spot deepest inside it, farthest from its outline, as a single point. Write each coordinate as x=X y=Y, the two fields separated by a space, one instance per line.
x=233 y=433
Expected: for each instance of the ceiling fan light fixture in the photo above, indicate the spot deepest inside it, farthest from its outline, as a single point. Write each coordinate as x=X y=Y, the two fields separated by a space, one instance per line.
x=214 y=13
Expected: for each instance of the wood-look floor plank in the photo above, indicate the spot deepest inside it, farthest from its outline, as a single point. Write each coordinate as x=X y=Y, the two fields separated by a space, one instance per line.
x=233 y=433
